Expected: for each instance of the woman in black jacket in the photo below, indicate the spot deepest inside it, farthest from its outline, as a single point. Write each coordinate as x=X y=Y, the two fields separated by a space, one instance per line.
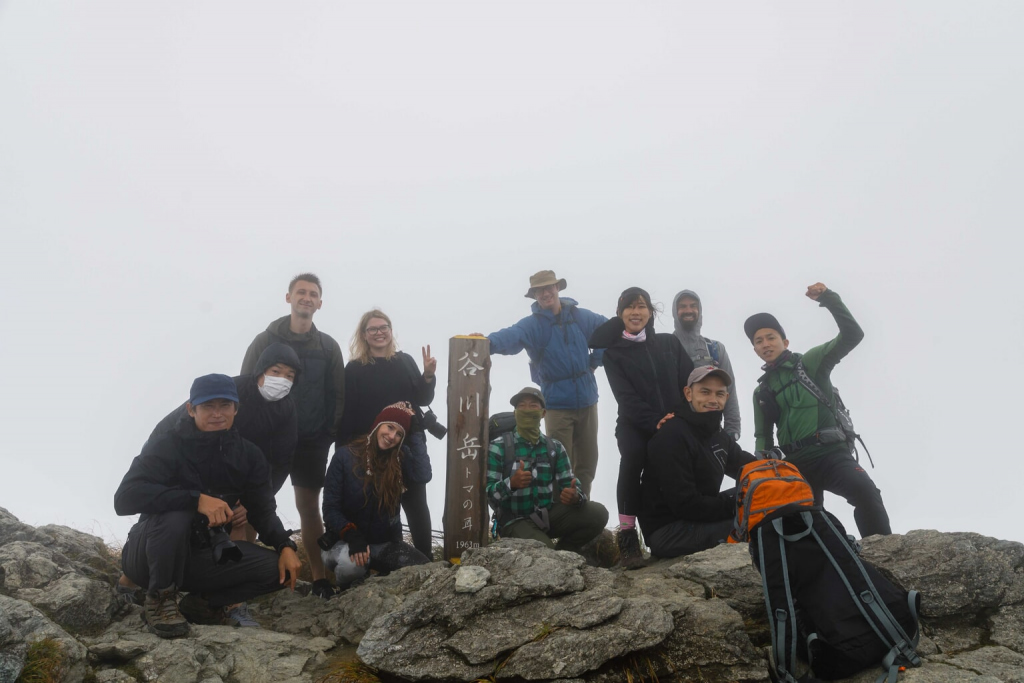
x=647 y=373
x=361 y=496
x=378 y=375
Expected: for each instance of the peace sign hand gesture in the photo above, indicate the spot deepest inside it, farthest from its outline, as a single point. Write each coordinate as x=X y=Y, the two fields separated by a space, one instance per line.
x=429 y=363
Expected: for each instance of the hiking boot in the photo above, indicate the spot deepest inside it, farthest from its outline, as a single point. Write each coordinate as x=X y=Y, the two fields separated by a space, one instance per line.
x=239 y=615
x=630 y=556
x=198 y=611
x=161 y=614
x=322 y=588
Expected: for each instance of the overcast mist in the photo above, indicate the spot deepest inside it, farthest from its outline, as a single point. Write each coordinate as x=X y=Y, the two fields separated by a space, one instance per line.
x=166 y=168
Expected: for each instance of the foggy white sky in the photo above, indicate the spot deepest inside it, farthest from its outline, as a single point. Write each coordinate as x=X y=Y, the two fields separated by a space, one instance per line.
x=165 y=168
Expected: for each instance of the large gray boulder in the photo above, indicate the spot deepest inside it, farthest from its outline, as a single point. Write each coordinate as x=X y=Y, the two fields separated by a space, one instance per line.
x=545 y=615
x=210 y=653
x=68 y=574
x=346 y=616
x=958 y=574
x=21 y=624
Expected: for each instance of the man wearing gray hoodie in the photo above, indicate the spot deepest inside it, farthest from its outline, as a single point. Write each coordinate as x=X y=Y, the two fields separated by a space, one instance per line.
x=689 y=317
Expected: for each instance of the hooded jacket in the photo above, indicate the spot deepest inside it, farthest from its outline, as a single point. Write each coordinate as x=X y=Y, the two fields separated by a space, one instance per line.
x=560 y=361
x=801 y=414
x=320 y=397
x=647 y=378
x=700 y=349
x=686 y=462
x=271 y=425
x=346 y=501
x=174 y=468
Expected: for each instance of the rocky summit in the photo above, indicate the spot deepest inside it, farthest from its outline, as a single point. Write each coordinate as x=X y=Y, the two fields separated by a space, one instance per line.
x=513 y=611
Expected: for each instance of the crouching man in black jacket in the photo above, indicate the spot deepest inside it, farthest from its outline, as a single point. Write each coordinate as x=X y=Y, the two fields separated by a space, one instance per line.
x=182 y=484
x=687 y=459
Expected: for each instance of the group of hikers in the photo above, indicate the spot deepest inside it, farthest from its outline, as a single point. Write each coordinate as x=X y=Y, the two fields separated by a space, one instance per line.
x=205 y=480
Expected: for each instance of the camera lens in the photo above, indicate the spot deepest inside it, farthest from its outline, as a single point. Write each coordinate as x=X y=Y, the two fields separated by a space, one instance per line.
x=224 y=549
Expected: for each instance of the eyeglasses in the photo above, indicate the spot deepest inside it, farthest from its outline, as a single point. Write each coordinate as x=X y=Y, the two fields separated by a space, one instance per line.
x=380 y=329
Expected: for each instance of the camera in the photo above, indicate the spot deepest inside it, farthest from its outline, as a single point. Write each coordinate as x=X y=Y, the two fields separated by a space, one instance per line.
x=224 y=549
x=216 y=538
x=429 y=421
x=327 y=541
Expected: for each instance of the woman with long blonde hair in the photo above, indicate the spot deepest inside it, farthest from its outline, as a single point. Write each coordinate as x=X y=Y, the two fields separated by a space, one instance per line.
x=378 y=375
x=362 y=496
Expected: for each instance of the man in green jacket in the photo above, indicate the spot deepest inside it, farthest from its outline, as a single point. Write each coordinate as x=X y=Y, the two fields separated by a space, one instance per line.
x=808 y=431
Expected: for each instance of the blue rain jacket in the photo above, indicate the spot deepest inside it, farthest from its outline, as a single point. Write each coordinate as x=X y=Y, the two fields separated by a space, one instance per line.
x=560 y=361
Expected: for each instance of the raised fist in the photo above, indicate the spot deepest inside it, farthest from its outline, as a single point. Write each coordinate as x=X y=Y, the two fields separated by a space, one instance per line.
x=816 y=290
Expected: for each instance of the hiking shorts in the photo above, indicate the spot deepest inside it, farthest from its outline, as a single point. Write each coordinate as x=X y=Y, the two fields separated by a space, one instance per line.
x=309 y=466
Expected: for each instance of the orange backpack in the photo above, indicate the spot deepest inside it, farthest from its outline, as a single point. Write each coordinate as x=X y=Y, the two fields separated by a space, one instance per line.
x=764 y=487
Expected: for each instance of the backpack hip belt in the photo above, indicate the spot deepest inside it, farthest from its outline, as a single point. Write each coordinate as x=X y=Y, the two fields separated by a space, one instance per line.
x=825 y=436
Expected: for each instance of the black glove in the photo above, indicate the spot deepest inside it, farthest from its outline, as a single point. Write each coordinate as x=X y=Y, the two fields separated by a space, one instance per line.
x=356 y=541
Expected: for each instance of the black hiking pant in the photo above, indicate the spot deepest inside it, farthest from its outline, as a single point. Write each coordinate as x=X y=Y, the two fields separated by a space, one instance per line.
x=417 y=515
x=414 y=500
x=632 y=444
x=159 y=552
x=684 y=537
x=840 y=474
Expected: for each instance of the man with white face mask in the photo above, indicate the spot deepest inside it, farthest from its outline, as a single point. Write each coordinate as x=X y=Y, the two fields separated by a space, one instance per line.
x=266 y=417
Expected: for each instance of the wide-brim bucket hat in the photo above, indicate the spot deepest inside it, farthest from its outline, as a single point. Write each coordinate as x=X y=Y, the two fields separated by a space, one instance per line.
x=543 y=279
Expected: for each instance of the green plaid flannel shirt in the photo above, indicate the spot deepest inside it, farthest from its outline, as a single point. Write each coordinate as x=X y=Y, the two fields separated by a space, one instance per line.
x=520 y=503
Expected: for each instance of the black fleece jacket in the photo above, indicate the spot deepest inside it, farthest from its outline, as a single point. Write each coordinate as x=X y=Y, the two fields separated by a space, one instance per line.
x=272 y=425
x=175 y=468
x=647 y=378
x=371 y=387
x=686 y=462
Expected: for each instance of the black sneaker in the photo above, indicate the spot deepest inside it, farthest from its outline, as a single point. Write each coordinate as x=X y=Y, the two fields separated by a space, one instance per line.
x=161 y=614
x=630 y=555
x=198 y=611
x=322 y=588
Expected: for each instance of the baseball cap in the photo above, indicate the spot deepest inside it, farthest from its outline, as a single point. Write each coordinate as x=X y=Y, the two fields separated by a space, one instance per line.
x=705 y=371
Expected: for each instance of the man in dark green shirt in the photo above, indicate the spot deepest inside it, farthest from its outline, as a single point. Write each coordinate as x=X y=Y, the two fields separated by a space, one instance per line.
x=808 y=431
x=535 y=493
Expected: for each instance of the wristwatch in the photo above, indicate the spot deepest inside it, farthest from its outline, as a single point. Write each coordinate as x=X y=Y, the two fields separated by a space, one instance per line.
x=289 y=543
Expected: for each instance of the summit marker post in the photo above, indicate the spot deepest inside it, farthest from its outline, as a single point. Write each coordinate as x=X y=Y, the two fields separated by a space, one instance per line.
x=465 y=504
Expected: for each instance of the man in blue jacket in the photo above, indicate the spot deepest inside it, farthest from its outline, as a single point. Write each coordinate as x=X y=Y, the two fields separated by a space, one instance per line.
x=555 y=338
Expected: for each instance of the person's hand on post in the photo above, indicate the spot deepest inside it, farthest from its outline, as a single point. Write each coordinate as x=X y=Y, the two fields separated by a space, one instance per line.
x=665 y=419
x=815 y=290
x=429 y=363
x=361 y=559
x=239 y=515
x=216 y=510
x=288 y=566
x=571 y=495
x=521 y=478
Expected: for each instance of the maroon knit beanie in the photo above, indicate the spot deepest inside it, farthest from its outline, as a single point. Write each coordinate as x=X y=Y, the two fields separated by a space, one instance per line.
x=399 y=414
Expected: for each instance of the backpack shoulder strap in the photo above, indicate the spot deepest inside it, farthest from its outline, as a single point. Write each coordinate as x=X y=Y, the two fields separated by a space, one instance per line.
x=778 y=601
x=713 y=350
x=508 y=439
x=805 y=380
x=870 y=604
